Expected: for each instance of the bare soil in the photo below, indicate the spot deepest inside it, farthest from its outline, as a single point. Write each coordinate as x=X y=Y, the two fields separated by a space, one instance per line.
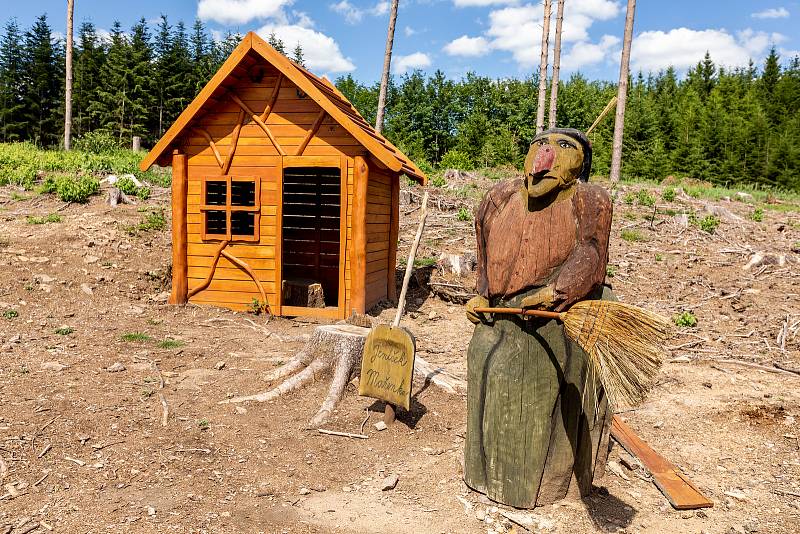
x=83 y=448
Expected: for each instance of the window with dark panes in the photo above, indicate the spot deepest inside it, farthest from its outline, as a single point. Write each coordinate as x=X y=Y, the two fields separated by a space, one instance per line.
x=230 y=208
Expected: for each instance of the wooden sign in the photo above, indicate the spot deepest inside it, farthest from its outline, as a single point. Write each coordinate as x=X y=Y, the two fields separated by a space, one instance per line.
x=388 y=365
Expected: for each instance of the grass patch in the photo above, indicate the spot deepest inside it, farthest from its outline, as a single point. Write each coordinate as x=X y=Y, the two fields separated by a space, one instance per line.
x=64 y=330
x=424 y=262
x=685 y=318
x=668 y=194
x=632 y=236
x=52 y=218
x=708 y=224
x=10 y=314
x=203 y=424
x=155 y=221
x=757 y=215
x=610 y=270
x=21 y=162
x=135 y=337
x=464 y=214
x=629 y=198
x=170 y=344
x=438 y=181
x=644 y=198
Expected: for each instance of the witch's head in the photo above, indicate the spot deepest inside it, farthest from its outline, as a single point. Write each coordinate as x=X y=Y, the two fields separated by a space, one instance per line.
x=557 y=159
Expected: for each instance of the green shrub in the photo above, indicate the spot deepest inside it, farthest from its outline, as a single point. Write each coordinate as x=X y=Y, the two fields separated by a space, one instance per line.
x=668 y=194
x=127 y=186
x=644 y=198
x=685 y=318
x=10 y=314
x=96 y=143
x=438 y=181
x=610 y=270
x=78 y=189
x=464 y=214
x=455 y=159
x=52 y=218
x=64 y=330
x=629 y=198
x=632 y=236
x=708 y=224
x=143 y=193
x=135 y=337
x=170 y=344
x=757 y=215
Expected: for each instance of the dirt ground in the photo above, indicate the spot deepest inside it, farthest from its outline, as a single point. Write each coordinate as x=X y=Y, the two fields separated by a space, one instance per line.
x=83 y=449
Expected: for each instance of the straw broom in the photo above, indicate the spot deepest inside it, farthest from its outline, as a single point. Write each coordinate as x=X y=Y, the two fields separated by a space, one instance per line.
x=625 y=344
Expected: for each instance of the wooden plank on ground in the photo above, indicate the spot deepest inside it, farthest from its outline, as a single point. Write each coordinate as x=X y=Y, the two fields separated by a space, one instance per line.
x=676 y=487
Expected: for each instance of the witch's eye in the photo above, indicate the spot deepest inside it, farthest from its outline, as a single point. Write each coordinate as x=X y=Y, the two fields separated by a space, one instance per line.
x=565 y=144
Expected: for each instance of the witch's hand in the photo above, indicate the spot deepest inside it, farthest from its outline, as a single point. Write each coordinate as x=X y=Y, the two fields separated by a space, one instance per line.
x=543 y=299
x=476 y=302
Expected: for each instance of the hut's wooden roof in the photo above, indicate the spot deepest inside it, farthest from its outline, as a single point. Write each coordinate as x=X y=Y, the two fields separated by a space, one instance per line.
x=322 y=91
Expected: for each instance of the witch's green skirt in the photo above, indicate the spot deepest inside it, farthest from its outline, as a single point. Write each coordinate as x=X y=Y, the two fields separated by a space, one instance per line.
x=537 y=426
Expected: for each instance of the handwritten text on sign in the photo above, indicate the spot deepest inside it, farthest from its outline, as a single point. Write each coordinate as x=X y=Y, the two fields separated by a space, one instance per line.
x=388 y=365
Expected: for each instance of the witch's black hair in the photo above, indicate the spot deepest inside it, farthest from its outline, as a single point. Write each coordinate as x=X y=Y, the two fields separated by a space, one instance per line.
x=580 y=137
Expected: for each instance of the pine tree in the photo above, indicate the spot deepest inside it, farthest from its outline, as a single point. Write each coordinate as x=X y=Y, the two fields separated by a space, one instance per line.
x=12 y=122
x=201 y=47
x=43 y=85
x=297 y=56
x=112 y=105
x=276 y=43
x=140 y=79
x=89 y=60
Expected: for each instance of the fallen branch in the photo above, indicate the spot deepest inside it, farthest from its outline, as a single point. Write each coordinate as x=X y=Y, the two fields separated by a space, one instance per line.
x=774 y=370
x=342 y=434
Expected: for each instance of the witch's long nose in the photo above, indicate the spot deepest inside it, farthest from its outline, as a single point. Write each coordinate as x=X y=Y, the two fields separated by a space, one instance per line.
x=544 y=159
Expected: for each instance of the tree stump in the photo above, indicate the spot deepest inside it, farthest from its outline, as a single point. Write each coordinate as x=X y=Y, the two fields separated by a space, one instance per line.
x=339 y=347
x=303 y=292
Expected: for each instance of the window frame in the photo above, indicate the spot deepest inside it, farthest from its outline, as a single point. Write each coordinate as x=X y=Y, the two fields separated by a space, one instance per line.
x=228 y=208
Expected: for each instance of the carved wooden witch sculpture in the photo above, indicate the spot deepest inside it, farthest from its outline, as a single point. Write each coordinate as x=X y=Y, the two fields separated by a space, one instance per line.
x=537 y=424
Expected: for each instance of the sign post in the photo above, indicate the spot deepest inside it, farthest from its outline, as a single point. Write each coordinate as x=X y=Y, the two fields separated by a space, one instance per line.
x=387 y=367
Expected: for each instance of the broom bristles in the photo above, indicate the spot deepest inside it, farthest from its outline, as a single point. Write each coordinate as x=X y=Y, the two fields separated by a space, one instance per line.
x=625 y=344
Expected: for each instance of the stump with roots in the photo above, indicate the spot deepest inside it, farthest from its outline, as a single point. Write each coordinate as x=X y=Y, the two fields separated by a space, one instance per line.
x=338 y=347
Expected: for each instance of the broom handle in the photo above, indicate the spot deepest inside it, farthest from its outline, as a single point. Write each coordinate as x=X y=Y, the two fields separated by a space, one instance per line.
x=520 y=311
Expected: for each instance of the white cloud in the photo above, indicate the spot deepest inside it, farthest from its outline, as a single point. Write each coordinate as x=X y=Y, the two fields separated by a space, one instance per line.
x=481 y=3
x=772 y=13
x=517 y=29
x=240 y=11
x=353 y=14
x=409 y=31
x=585 y=53
x=468 y=47
x=320 y=52
x=683 y=48
x=417 y=60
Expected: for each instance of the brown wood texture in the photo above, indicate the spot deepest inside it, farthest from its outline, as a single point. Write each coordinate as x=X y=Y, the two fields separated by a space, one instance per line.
x=234 y=72
x=520 y=249
x=179 y=294
x=358 y=260
x=676 y=487
x=225 y=135
x=388 y=365
x=394 y=234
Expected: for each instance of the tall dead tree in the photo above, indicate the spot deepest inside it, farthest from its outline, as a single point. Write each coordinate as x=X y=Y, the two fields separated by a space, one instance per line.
x=622 y=94
x=543 y=67
x=556 y=65
x=387 y=63
x=68 y=88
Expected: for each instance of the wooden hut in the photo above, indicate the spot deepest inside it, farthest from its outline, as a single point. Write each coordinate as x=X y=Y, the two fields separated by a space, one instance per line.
x=280 y=190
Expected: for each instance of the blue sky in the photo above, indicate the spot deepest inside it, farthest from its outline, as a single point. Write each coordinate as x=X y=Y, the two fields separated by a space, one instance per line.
x=496 y=38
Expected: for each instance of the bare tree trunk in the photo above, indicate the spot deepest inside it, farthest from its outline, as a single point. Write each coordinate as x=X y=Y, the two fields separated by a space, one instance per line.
x=387 y=63
x=556 y=65
x=622 y=93
x=68 y=89
x=543 y=67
